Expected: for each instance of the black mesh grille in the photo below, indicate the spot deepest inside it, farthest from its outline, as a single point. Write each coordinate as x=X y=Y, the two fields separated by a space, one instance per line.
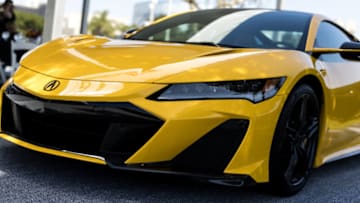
x=104 y=129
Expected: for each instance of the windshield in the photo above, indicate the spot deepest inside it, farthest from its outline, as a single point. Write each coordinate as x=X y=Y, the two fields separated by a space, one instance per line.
x=232 y=28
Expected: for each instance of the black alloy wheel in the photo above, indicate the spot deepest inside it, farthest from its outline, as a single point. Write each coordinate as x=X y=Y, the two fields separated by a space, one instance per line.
x=295 y=141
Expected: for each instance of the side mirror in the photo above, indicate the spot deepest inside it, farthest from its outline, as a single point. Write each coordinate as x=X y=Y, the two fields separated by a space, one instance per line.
x=351 y=50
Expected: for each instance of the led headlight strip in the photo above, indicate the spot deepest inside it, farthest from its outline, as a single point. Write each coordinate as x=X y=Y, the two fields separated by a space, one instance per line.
x=253 y=90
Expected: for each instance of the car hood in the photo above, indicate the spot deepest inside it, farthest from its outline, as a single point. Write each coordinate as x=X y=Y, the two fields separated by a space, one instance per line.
x=102 y=59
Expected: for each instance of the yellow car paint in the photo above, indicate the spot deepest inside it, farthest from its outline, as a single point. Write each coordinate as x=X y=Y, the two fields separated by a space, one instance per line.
x=71 y=155
x=100 y=72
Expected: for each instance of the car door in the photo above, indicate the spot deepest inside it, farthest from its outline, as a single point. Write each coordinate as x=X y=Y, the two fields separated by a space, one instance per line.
x=342 y=78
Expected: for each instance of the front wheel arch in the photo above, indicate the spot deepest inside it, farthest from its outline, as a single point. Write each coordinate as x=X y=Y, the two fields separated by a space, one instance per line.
x=320 y=90
x=315 y=84
x=295 y=139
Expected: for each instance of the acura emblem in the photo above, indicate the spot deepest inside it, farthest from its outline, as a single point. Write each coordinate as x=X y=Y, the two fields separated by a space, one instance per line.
x=52 y=85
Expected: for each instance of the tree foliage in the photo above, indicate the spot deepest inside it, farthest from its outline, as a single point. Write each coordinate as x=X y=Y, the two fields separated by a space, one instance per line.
x=29 y=23
x=194 y=5
x=100 y=24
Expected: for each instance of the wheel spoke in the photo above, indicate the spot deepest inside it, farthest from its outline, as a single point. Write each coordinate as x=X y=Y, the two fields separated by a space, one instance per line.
x=291 y=129
x=293 y=162
x=302 y=152
x=304 y=109
x=312 y=128
x=291 y=133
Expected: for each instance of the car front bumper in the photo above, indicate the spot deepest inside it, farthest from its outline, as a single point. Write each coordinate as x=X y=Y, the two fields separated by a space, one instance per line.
x=221 y=139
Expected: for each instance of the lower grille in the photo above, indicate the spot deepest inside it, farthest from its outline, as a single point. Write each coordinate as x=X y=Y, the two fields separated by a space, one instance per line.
x=105 y=129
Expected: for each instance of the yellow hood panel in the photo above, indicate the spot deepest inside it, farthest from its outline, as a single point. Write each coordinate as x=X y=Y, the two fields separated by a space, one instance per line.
x=86 y=58
x=118 y=60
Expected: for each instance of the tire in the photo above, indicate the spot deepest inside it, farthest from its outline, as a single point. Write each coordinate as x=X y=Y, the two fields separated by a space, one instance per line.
x=295 y=141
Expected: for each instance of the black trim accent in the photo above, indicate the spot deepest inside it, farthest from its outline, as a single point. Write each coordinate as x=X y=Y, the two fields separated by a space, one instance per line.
x=208 y=156
x=213 y=152
x=96 y=128
x=238 y=180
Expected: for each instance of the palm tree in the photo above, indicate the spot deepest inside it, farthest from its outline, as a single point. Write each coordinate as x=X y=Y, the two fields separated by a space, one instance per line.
x=220 y=3
x=193 y=4
x=229 y=3
x=101 y=25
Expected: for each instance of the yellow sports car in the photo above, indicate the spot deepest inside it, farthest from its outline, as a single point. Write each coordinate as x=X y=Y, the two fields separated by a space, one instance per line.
x=233 y=96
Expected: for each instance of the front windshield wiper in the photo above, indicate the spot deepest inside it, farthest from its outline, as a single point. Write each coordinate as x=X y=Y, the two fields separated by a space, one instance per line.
x=196 y=43
x=204 y=43
x=181 y=42
x=215 y=44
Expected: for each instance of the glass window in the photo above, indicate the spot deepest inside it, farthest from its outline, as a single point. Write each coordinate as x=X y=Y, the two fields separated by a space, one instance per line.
x=178 y=33
x=112 y=18
x=330 y=36
x=232 y=28
x=194 y=19
x=284 y=39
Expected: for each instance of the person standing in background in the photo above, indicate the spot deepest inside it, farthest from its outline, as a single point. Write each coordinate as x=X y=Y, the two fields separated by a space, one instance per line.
x=7 y=31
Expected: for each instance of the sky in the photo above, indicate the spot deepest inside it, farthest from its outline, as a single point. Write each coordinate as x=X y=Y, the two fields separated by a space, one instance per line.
x=344 y=11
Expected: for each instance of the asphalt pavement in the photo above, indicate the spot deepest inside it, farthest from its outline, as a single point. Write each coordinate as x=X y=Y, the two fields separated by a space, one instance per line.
x=27 y=176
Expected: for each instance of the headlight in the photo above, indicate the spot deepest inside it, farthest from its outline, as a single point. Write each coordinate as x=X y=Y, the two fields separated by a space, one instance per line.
x=253 y=90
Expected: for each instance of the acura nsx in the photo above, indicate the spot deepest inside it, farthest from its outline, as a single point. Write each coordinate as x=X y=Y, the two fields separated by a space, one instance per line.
x=231 y=95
